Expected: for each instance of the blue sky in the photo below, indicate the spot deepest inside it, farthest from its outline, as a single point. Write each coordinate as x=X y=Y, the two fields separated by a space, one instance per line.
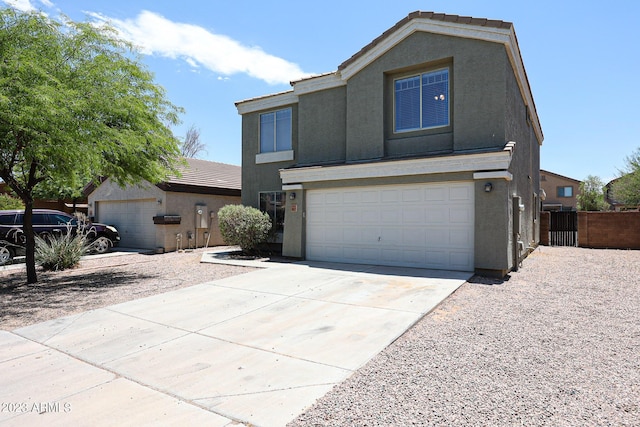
x=582 y=61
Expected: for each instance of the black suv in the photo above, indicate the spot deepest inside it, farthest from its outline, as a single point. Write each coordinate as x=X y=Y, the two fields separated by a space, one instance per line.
x=47 y=222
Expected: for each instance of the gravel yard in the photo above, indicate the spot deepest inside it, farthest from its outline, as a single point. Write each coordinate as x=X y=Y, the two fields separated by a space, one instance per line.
x=99 y=282
x=557 y=344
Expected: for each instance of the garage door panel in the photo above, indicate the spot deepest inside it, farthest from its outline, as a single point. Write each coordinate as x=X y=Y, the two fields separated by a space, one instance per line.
x=133 y=219
x=435 y=194
x=459 y=260
x=415 y=225
x=412 y=195
x=460 y=215
x=460 y=238
x=438 y=260
x=458 y=192
x=389 y=216
x=351 y=216
x=370 y=197
x=389 y=196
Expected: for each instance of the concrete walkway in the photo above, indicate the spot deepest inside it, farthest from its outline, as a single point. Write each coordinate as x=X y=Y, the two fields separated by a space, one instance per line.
x=257 y=348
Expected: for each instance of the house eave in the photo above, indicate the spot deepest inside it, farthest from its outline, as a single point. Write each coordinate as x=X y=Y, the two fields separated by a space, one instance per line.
x=197 y=189
x=504 y=36
x=494 y=161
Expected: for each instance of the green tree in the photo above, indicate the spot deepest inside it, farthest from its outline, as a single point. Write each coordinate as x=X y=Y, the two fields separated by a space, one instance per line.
x=592 y=195
x=626 y=189
x=76 y=103
x=8 y=202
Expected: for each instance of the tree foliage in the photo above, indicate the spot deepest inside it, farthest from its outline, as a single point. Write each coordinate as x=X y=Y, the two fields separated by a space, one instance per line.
x=76 y=104
x=592 y=195
x=8 y=202
x=243 y=226
x=191 y=146
x=626 y=189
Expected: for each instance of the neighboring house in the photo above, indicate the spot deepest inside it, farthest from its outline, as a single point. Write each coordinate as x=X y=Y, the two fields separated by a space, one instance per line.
x=179 y=213
x=421 y=150
x=561 y=192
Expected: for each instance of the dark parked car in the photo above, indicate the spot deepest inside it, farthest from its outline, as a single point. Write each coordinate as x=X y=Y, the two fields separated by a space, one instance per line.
x=47 y=222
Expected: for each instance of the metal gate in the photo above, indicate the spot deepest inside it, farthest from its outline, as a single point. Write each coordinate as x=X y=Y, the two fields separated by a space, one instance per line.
x=563 y=228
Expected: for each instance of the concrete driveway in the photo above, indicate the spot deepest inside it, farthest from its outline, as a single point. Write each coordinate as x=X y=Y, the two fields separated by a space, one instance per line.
x=257 y=348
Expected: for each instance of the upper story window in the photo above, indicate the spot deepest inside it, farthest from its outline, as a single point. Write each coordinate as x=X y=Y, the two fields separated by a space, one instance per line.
x=565 y=191
x=422 y=101
x=275 y=131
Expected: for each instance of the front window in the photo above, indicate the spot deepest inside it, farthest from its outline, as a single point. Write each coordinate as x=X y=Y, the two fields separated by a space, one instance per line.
x=422 y=101
x=565 y=191
x=274 y=203
x=275 y=131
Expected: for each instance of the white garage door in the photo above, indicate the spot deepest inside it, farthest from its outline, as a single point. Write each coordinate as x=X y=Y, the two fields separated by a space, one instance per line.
x=133 y=219
x=415 y=225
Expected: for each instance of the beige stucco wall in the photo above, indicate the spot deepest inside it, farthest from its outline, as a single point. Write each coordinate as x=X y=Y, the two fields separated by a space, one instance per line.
x=550 y=183
x=184 y=204
x=170 y=203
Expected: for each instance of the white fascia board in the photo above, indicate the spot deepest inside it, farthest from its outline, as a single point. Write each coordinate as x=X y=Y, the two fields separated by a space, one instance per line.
x=398 y=168
x=292 y=187
x=504 y=36
x=267 y=102
x=506 y=175
x=316 y=84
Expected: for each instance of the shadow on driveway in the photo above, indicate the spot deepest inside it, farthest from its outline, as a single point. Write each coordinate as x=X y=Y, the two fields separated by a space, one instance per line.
x=54 y=291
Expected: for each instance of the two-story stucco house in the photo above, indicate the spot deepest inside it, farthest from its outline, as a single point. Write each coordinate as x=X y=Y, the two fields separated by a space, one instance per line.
x=421 y=150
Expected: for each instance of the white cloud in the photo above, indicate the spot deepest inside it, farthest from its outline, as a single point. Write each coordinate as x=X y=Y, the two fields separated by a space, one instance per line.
x=23 y=5
x=47 y=3
x=156 y=35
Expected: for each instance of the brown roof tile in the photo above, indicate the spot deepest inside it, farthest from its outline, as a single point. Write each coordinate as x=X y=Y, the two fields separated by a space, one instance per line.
x=203 y=173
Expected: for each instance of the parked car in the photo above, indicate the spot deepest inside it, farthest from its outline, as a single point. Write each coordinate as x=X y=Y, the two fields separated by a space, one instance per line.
x=46 y=223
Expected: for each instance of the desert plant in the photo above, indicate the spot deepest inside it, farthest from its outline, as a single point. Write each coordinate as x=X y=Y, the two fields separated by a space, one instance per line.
x=243 y=226
x=55 y=253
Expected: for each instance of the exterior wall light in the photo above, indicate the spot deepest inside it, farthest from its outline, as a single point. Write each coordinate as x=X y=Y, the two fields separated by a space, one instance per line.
x=292 y=196
x=488 y=187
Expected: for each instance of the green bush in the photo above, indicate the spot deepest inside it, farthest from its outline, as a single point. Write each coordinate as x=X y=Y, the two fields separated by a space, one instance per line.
x=8 y=202
x=243 y=226
x=55 y=253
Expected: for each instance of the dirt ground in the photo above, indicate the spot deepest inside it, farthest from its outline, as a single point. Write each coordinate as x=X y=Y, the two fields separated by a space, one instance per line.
x=99 y=282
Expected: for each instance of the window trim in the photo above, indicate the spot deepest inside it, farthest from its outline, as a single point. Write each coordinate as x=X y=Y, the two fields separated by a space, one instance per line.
x=420 y=74
x=274 y=218
x=563 y=188
x=275 y=130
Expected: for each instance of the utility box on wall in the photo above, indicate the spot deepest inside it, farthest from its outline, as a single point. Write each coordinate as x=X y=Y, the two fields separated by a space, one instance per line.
x=202 y=216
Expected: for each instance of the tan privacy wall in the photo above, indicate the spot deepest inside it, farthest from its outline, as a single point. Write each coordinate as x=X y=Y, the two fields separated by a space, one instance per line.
x=545 y=222
x=613 y=230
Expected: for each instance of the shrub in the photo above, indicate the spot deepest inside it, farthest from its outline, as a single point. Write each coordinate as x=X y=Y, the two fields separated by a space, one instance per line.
x=55 y=253
x=243 y=226
x=8 y=202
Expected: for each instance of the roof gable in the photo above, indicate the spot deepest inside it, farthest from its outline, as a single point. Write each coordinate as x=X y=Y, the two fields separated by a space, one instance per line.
x=546 y=172
x=495 y=31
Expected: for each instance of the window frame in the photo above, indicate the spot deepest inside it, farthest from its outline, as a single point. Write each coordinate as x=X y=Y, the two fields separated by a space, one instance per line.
x=278 y=226
x=274 y=113
x=421 y=75
x=561 y=191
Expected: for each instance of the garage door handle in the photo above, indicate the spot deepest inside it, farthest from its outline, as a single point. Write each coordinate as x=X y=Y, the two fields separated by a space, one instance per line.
x=379 y=238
